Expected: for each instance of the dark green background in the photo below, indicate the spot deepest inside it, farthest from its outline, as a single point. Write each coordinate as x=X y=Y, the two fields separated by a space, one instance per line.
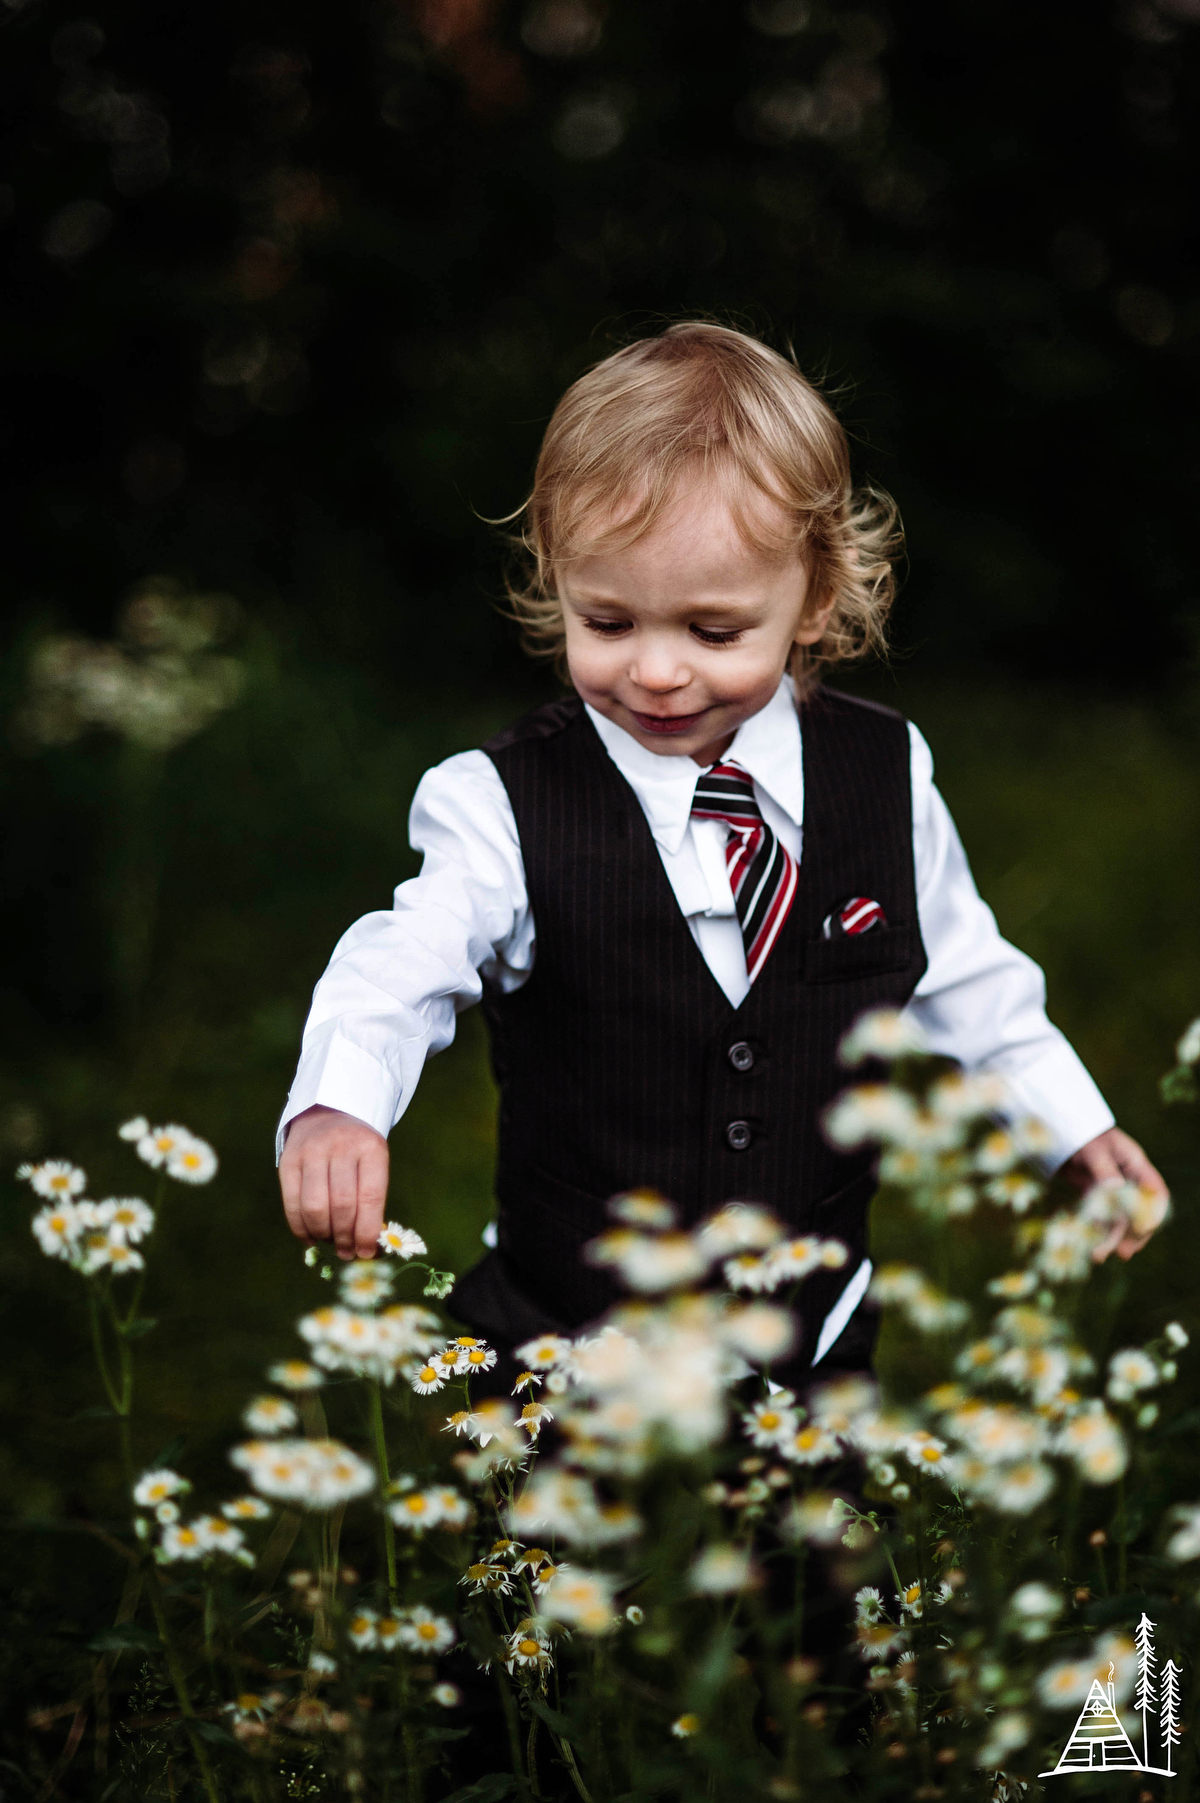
x=346 y=259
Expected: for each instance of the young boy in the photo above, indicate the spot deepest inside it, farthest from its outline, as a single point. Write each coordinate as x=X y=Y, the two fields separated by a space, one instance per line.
x=676 y=890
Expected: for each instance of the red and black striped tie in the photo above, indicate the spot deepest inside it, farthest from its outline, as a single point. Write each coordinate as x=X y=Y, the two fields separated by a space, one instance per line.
x=762 y=873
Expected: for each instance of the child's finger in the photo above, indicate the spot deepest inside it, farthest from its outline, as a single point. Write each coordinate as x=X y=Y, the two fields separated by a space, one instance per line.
x=314 y=1196
x=289 y=1184
x=343 y=1201
x=372 y=1199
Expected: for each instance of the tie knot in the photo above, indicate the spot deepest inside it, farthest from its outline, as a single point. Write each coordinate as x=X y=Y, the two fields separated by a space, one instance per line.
x=726 y=792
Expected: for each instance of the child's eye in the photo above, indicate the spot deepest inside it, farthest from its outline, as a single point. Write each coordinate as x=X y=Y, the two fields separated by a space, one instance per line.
x=608 y=629
x=710 y=636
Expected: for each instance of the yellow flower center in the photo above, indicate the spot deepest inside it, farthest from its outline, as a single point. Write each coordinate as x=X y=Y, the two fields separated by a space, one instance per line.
x=769 y=1419
x=529 y=1649
x=426 y=1630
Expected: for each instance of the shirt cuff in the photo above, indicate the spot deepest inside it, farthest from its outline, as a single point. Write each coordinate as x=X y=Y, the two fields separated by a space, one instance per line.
x=342 y=1076
x=1057 y=1088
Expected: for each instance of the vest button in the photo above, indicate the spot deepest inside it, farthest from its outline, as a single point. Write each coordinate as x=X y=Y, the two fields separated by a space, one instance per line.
x=741 y=1056
x=738 y=1136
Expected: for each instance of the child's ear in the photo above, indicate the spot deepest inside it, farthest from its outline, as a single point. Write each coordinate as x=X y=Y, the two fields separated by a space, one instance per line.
x=812 y=626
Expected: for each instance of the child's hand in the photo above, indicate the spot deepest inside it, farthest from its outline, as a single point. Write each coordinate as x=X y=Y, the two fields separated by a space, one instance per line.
x=1114 y=1155
x=334 y=1178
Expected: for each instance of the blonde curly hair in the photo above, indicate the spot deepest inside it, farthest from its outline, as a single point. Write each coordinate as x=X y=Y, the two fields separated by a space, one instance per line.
x=696 y=402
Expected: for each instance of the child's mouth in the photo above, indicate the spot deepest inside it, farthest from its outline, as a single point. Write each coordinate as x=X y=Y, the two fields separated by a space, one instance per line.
x=666 y=723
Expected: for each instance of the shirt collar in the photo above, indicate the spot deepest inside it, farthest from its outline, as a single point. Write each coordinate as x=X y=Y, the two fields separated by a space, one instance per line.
x=767 y=746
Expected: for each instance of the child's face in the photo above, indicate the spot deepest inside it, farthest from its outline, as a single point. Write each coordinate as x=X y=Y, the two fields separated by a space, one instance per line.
x=682 y=636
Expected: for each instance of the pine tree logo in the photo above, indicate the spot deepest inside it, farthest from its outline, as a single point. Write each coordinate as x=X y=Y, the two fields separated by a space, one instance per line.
x=1099 y=1742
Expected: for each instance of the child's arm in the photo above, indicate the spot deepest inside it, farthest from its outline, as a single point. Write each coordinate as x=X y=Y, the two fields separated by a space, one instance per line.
x=390 y=997
x=984 y=1002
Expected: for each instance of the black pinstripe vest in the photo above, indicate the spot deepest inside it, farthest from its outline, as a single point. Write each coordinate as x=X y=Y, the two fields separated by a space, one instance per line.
x=620 y=1062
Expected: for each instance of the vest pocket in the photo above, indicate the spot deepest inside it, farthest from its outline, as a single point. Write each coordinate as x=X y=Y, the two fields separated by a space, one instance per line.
x=870 y=954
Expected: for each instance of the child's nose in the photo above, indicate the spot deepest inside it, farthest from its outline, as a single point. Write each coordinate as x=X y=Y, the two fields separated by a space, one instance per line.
x=659 y=668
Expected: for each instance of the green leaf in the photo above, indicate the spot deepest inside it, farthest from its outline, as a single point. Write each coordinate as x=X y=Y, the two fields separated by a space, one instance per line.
x=485 y=1790
x=1179 y=1085
x=553 y=1718
x=143 y=1325
x=169 y=1453
x=214 y=1732
x=125 y=1637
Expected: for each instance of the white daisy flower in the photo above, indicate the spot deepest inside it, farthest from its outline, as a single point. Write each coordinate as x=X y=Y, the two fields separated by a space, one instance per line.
x=295 y=1374
x=529 y=1645
x=876 y=1639
x=193 y=1162
x=758 y=1331
x=1013 y=1285
x=463 y=1421
x=158 y=1144
x=316 y=1474
x=526 y=1381
x=868 y=1604
x=166 y=1511
x=446 y=1696
x=1177 y=1335
x=245 y=1508
x=721 y=1570
x=269 y=1415
x=126 y=1218
x=684 y=1726
x=55 y=1179
x=120 y=1258
x=486 y=1578
x=154 y=1487
x=479 y=1358
x=544 y=1353
x=739 y=1227
x=817 y=1517
x=179 y=1541
x=1130 y=1371
x=427 y=1380
x=362 y=1630
x=811 y=1445
x=454 y=1511
x=416 y=1510
x=135 y=1129
x=1095 y=1443
x=996 y=1152
x=1035 y=1601
x=57 y=1229
x=911 y=1601
x=421 y=1631
x=769 y=1424
x=218 y=1535
x=401 y=1242
x=883 y=1033
x=580 y=1599
x=648 y=1264
x=533 y=1418
x=1006 y=1732
x=750 y=1272
x=1184 y=1543
x=388 y=1630
x=364 y=1282
x=874 y=1111
x=642 y=1208
x=1014 y=1191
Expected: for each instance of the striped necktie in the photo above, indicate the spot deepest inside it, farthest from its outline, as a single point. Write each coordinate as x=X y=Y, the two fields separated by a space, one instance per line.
x=762 y=873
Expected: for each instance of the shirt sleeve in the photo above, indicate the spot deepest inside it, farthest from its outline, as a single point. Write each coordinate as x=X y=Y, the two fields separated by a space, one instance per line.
x=981 y=1000
x=399 y=977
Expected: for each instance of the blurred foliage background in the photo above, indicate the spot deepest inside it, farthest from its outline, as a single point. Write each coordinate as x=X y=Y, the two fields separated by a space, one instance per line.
x=289 y=293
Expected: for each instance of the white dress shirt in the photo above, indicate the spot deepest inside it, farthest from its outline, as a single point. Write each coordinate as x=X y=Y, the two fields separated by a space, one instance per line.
x=399 y=977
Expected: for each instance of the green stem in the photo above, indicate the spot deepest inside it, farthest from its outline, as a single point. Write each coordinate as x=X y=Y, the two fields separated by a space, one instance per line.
x=512 y=1724
x=180 y=1686
x=381 y=1465
x=98 y=1349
